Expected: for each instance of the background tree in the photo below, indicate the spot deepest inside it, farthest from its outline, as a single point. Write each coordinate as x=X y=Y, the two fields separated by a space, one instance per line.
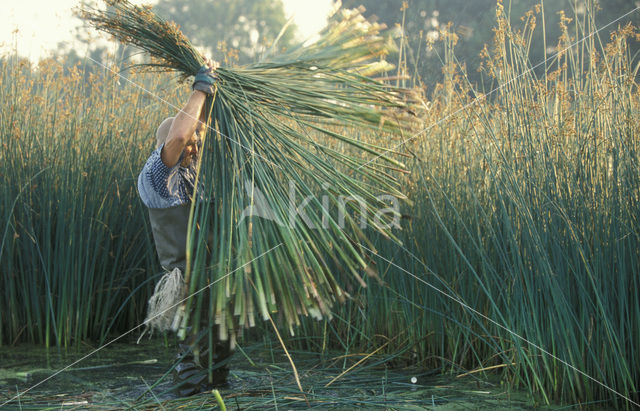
x=241 y=29
x=473 y=21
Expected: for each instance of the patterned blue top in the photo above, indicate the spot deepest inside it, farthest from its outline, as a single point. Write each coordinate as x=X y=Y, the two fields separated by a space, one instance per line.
x=160 y=186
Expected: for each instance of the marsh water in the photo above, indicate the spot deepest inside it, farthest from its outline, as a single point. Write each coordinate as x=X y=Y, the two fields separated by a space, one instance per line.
x=128 y=376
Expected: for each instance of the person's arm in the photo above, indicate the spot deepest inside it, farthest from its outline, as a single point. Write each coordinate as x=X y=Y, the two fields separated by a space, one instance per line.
x=182 y=129
x=186 y=121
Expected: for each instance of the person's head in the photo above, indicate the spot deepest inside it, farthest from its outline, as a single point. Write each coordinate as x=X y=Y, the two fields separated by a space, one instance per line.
x=192 y=148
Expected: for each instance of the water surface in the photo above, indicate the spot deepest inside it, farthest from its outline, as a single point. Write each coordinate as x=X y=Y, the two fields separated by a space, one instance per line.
x=122 y=376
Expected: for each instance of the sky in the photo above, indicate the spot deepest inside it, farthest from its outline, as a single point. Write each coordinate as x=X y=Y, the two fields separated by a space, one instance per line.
x=37 y=26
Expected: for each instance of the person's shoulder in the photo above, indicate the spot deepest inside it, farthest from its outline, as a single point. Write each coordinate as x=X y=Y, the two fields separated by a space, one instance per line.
x=154 y=162
x=155 y=155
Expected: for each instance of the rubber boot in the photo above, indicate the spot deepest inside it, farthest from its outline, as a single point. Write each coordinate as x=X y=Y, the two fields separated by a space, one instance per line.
x=190 y=374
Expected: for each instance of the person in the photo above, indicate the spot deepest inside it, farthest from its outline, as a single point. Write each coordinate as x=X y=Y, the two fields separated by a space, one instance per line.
x=166 y=187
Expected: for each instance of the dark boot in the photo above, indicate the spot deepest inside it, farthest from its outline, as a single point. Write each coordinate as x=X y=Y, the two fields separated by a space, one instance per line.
x=188 y=378
x=190 y=375
x=220 y=361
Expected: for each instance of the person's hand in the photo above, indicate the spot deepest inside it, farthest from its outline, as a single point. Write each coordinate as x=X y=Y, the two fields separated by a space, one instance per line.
x=206 y=78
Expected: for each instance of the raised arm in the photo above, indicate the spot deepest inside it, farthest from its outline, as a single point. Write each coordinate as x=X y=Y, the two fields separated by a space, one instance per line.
x=186 y=121
x=182 y=129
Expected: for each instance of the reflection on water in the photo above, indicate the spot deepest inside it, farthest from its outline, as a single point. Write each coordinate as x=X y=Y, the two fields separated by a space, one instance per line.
x=119 y=376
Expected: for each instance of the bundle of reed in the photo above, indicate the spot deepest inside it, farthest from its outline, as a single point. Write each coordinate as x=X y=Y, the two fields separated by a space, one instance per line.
x=281 y=131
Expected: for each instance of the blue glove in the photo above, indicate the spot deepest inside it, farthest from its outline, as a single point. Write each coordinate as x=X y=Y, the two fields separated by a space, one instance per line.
x=205 y=80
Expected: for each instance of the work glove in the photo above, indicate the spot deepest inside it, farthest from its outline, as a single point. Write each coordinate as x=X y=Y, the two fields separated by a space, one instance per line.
x=205 y=80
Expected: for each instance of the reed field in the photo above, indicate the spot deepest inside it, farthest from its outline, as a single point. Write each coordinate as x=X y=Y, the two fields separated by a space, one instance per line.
x=520 y=240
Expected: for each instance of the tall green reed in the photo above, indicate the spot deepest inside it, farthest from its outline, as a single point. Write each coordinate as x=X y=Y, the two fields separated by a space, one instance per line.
x=271 y=130
x=526 y=210
x=76 y=258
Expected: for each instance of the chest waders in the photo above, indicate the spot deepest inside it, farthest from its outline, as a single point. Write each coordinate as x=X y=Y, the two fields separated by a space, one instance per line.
x=169 y=226
x=190 y=375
